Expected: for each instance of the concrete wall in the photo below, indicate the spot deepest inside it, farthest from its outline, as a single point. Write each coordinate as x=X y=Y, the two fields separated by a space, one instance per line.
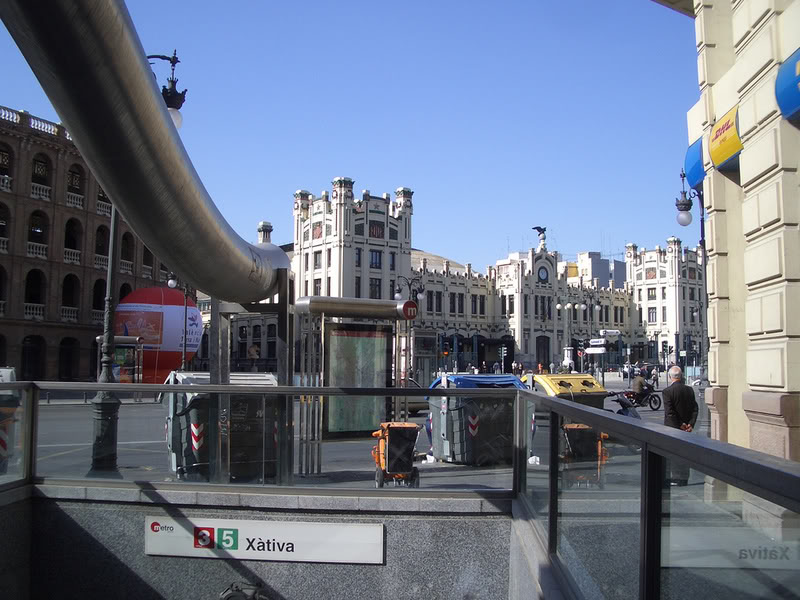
x=15 y=544
x=435 y=548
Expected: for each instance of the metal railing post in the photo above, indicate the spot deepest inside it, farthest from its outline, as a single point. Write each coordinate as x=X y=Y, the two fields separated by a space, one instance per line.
x=652 y=479
x=520 y=444
x=552 y=521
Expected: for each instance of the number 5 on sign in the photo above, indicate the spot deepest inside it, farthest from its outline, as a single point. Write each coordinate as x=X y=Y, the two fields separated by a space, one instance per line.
x=228 y=539
x=203 y=537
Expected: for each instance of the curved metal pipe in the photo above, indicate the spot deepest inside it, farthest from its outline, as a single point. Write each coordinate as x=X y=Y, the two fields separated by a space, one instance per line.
x=90 y=63
x=364 y=308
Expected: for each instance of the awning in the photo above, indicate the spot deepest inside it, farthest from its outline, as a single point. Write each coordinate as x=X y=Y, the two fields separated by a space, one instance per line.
x=724 y=142
x=787 y=86
x=693 y=164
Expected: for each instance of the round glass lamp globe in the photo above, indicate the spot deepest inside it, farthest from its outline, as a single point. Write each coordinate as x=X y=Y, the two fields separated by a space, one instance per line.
x=177 y=117
x=684 y=218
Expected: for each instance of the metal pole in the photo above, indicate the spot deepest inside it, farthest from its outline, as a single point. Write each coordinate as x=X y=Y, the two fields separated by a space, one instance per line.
x=704 y=303
x=105 y=403
x=185 y=328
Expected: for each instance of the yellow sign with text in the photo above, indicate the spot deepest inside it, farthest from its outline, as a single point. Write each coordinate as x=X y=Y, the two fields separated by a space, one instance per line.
x=724 y=142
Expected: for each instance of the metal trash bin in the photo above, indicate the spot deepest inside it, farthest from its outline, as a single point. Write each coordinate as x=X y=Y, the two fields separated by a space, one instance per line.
x=473 y=431
x=578 y=387
x=253 y=434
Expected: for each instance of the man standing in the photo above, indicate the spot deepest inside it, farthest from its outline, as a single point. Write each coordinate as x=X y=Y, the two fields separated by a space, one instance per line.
x=680 y=412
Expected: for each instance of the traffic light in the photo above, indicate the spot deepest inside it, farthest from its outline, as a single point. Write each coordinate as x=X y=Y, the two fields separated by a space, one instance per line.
x=502 y=351
x=664 y=346
x=446 y=348
x=580 y=346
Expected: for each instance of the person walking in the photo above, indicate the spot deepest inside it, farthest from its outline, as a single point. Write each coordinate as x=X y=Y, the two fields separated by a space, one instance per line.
x=496 y=368
x=680 y=412
x=655 y=376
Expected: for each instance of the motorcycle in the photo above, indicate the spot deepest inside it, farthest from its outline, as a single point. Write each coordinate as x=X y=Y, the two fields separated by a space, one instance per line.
x=650 y=398
x=627 y=406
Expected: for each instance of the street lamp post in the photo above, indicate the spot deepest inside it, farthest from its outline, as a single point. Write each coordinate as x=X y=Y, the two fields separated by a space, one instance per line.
x=416 y=290
x=568 y=307
x=106 y=403
x=594 y=307
x=684 y=205
x=172 y=282
x=172 y=97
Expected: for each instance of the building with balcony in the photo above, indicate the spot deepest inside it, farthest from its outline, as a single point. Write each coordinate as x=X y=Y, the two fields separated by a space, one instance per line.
x=54 y=247
x=666 y=287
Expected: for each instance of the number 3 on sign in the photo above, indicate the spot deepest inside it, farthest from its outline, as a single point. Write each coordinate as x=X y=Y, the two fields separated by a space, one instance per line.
x=203 y=537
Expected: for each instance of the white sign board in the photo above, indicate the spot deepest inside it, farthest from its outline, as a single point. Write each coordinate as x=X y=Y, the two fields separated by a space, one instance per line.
x=597 y=342
x=352 y=543
x=596 y=350
x=683 y=352
x=628 y=351
x=611 y=332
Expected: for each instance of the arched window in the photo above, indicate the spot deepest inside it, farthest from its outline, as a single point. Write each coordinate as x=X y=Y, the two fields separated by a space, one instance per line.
x=37 y=230
x=34 y=351
x=73 y=234
x=35 y=287
x=101 y=241
x=6 y=162
x=99 y=295
x=147 y=258
x=71 y=291
x=124 y=290
x=127 y=247
x=75 y=180
x=5 y=226
x=3 y=294
x=41 y=170
x=272 y=330
x=69 y=352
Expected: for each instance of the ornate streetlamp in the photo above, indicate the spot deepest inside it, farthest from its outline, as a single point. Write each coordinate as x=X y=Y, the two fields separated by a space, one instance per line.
x=172 y=97
x=105 y=403
x=568 y=306
x=684 y=205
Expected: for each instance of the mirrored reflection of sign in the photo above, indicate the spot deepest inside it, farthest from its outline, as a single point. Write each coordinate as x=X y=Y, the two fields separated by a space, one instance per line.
x=292 y=541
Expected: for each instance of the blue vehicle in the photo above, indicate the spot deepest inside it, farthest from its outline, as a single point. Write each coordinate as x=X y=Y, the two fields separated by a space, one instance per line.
x=472 y=431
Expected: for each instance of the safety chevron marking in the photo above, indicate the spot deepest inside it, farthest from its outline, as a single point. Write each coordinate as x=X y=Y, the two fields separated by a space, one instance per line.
x=473 y=425
x=197 y=436
x=3 y=443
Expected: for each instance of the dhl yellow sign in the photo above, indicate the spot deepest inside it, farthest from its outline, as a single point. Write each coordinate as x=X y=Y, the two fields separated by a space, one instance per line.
x=724 y=142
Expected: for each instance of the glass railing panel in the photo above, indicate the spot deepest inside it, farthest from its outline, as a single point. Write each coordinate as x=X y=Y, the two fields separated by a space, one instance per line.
x=66 y=436
x=718 y=541
x=301 y=440
x=538 y=463
x=13 y=434
x=599 y=506
x=459 y=444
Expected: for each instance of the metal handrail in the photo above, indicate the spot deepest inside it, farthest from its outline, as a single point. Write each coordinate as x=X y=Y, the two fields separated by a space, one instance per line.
x=770 y=477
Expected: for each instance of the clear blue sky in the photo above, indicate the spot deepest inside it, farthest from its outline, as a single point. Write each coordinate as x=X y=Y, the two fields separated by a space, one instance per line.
x=499 y=115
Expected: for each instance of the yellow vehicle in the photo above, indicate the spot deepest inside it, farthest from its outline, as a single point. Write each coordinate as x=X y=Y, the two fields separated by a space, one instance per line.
x=394 y=454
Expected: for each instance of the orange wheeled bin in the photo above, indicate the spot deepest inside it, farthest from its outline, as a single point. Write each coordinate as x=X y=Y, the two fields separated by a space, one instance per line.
x=394 y=454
